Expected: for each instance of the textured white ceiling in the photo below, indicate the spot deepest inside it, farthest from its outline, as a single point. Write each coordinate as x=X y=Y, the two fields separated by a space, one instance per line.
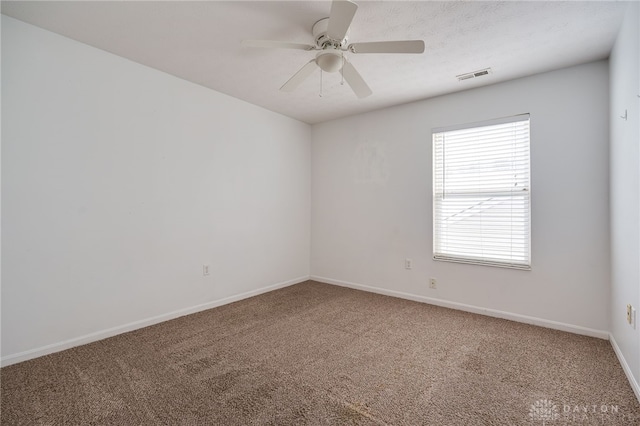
x=200 y=42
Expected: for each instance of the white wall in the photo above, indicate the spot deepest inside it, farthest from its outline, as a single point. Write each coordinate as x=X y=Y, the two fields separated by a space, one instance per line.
x=371 y=201
x=625 y=188
x=119 y=182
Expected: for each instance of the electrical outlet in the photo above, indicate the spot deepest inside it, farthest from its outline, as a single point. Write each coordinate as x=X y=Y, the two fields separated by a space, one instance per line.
x=408 y=264
x=433 y=284
x=205 y=270
x=629 y=314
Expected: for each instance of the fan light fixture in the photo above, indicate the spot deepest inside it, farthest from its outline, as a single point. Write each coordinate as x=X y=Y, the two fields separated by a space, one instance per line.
x=329 y=61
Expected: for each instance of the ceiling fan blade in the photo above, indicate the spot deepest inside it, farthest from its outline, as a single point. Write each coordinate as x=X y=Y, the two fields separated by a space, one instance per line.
x=276 y=44
x=355 y=80
x=400 y=46
x=342 y=12
x=300 y=76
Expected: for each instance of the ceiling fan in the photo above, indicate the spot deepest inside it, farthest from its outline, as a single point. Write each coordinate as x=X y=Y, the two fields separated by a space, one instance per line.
x=331 y=41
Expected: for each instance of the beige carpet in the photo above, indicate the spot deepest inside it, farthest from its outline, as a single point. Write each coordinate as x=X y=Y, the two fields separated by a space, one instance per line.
x=320 y=354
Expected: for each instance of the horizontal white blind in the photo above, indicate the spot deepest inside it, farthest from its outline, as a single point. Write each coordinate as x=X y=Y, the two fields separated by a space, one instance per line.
x=481 y=193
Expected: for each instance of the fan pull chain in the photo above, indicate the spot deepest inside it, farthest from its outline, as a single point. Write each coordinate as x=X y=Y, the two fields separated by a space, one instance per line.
x=342 y=71
x=320 y=82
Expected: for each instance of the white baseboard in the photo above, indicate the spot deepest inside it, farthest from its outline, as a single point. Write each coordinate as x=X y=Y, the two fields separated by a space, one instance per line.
x=625 y=366
x=103 y=334
x=470 y=308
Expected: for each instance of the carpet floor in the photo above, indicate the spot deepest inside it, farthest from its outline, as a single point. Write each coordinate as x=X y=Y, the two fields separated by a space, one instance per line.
x=319 y=354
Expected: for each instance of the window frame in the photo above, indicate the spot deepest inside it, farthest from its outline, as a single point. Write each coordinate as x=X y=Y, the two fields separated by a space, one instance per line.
x=438 y=253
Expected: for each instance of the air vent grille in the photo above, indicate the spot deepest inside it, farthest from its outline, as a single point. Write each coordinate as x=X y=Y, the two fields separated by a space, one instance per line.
x=474 y=74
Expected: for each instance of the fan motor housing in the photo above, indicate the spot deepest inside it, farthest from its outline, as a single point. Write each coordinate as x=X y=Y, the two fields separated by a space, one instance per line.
x=319 y=31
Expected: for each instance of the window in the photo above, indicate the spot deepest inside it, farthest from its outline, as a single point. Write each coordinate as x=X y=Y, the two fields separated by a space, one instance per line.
x=481 y=193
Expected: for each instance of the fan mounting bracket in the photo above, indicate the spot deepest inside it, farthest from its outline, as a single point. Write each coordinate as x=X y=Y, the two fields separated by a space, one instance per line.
x=323 y=42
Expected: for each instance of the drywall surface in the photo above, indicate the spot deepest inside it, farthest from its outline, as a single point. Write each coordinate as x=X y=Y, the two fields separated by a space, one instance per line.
x=120 y=182
x=625 y=186
x=372 y=187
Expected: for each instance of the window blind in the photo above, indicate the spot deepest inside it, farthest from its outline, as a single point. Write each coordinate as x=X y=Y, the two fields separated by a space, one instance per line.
x=481 y=193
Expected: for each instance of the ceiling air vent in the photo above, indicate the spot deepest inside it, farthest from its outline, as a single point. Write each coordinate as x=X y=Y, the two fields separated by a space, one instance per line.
x=473 y=74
